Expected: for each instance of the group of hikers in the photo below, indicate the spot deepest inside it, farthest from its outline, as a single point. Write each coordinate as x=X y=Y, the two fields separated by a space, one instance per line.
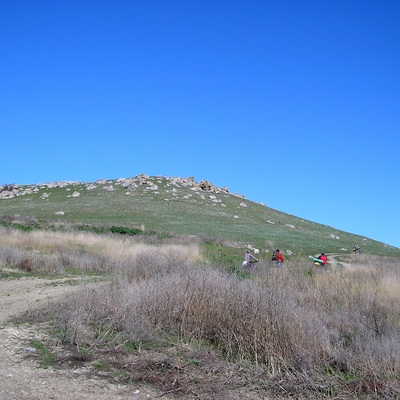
x=277 y=258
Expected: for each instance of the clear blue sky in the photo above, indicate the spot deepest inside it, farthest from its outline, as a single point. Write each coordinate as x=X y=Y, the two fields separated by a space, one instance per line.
x=295 y=104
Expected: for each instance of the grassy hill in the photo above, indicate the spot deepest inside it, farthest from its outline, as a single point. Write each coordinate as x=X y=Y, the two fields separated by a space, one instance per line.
x=183 y=207
x=168 y=309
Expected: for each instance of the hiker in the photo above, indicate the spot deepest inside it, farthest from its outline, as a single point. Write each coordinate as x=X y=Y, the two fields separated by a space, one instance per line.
x=277 y=257
x=323 y=259
x=247 y=259
x=357 y=249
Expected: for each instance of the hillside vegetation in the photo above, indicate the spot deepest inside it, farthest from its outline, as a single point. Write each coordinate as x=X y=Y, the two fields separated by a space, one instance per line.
x=178 y=206
x=165 y=313
x=170 y=305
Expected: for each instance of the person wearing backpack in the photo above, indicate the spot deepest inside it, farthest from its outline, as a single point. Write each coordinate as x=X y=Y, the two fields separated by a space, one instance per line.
x=323 y=259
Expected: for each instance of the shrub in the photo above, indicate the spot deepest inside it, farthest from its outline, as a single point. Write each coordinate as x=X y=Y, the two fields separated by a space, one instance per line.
x=125 y=231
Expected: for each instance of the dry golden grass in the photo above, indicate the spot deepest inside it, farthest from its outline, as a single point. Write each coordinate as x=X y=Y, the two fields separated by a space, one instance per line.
x=332 y=332
x=341 y=325
x=46 y=251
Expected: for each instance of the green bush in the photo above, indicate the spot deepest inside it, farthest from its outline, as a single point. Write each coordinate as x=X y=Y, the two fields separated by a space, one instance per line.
x=125 y=231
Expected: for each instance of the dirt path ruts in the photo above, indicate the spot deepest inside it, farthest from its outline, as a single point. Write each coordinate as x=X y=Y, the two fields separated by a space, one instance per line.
x=339 y=260
x=21 y=377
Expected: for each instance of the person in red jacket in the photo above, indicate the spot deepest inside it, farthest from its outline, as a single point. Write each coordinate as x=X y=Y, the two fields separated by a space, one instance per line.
x=277 y=257
x=323 y=258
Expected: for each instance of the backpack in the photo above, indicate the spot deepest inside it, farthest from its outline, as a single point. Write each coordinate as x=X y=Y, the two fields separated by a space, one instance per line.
x=273 y=255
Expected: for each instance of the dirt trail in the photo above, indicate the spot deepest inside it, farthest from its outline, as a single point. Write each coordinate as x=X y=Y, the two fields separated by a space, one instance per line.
x=21 y=377
x=339 y=260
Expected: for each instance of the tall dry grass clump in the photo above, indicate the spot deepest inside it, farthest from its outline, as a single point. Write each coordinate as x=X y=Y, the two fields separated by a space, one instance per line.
x=200 y=302
x=356 y=310
x=57 y=252
x=340 y=325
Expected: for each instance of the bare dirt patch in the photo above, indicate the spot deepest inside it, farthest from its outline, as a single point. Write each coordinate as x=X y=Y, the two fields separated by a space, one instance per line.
x=21 y=375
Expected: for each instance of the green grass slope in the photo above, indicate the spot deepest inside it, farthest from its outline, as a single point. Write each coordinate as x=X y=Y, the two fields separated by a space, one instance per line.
x=184 y=207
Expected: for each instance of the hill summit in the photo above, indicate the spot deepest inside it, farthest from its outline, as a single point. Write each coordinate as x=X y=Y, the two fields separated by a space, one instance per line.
x=10 y=191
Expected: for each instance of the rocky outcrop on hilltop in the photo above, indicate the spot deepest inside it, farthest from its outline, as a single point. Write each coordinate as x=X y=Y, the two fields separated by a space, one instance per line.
x=143 y=179
x=130 y=184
